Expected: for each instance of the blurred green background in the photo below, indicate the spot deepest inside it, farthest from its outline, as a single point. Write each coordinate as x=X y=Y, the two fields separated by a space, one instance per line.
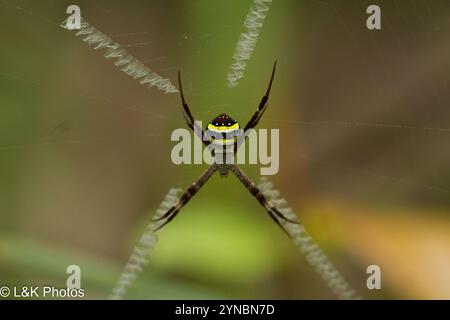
x=364 y=123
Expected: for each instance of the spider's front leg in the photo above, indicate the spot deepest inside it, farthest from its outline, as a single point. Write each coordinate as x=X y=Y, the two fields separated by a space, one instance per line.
x=262 y=104
x=186 y=196
x=254 y=190
x=188 y=115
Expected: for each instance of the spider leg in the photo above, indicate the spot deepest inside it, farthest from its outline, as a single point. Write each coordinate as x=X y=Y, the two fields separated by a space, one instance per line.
x=254 y=190
x=188 y=115
x=262 y=105
x=186 y=196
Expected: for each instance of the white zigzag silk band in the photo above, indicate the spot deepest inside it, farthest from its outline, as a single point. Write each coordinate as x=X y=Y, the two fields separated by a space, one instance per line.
x=302 y=240
x=306 y=246
x=144 y=248
x=123 y=60
x=247 y=40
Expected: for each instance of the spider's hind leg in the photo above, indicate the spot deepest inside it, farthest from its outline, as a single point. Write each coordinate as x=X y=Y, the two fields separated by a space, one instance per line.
x=186 y=196
x=274 y=213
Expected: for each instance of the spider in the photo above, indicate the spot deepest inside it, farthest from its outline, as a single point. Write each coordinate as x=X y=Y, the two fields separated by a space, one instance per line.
x=222 y=132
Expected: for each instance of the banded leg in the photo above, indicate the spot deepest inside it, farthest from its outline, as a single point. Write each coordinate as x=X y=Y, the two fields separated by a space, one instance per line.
x=262 y=105
x=186 y=196
x=188 y=115
x=254 y=190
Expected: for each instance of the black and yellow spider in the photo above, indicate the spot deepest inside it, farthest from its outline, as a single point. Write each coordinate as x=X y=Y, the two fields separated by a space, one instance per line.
x=223 y=131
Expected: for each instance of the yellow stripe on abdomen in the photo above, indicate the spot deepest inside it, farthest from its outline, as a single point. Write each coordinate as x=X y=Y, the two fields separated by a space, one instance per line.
x=223 y=128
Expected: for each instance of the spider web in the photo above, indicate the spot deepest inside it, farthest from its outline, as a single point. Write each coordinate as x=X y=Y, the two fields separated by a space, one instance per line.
x=363 y=110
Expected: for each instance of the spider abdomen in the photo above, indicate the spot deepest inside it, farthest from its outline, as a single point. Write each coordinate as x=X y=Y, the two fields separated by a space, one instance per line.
x=222 y=132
